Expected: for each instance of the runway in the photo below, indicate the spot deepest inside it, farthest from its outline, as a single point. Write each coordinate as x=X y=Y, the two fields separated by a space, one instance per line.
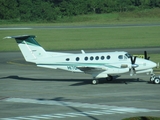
x=81 y=26
x=28 y=92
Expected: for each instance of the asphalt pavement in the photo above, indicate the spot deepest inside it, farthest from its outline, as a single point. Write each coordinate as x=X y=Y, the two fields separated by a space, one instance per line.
x=28 y=92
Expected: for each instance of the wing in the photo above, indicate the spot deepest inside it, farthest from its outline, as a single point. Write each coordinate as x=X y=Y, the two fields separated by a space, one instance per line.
x=87 y=69
x=97 y=71
x=98 y=67
x=101 y=71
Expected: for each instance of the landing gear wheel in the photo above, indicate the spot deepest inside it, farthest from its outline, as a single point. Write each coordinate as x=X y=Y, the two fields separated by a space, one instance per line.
x=94 y=82
x=156 y=80
x=109 y=78
x=152 y=78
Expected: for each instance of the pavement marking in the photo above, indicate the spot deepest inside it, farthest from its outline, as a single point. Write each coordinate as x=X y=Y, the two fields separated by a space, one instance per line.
x=69 y=115
x=15 y=28
x=76 y=104
x=100 y=109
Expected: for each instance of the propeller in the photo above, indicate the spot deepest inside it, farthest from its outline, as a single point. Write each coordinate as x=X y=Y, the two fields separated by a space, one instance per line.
x=145 y=55
x=158 y=65
x=133 y=65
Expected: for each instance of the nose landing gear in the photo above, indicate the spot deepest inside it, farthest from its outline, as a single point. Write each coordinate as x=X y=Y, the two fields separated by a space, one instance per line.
x=155 y=79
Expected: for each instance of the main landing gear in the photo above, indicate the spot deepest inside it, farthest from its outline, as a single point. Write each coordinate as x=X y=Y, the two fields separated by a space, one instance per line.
x=109 y=78
x=95 y=81
x=155 y=79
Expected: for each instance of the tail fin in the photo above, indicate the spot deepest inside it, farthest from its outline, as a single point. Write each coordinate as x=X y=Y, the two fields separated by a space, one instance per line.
x=29 y=47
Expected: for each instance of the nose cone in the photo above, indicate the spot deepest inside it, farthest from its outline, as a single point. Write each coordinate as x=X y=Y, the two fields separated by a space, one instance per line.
x=152 y=64
x=145 y=64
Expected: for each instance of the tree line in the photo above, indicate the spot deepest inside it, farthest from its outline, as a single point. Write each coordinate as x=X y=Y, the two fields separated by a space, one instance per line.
x=51 y=10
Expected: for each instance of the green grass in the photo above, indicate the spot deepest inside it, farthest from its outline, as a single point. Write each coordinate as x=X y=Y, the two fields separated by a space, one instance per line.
x=155 y=57
x=95 y=38
x=84 y=38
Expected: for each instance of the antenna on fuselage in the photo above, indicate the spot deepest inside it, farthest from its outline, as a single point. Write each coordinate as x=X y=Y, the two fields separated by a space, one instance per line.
x=83 y=52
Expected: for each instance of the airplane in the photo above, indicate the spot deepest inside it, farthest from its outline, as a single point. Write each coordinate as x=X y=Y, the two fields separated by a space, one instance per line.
x=99 y=65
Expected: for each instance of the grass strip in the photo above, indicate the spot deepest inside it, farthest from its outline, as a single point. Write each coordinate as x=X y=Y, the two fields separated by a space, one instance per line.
x=87 y=38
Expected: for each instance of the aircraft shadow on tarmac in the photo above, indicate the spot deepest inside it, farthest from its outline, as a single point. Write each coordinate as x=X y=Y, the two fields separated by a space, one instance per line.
x=54 y=99
x=80 y=81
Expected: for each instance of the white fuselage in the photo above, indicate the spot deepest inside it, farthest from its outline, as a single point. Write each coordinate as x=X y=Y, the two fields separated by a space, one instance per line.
x=108 y=63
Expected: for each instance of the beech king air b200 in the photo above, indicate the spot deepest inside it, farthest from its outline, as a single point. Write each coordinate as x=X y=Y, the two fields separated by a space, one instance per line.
x=99 y=65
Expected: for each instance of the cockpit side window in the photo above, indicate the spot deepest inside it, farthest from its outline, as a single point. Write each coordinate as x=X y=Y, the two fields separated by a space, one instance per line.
x=125 y=57
x=128 y=55
x=120 y=56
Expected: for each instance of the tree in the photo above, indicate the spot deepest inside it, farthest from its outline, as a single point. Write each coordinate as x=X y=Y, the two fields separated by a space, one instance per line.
x=25 y=7
x=51 y=10
x=8 y=9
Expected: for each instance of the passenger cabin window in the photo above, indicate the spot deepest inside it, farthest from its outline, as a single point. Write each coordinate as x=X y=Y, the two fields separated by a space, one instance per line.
x=67 y=59
x=102 y=57
x=91 y=58
x=97 y=58
x=120 y=57
x=108 y=57
x=77 y=58
x=86 y=58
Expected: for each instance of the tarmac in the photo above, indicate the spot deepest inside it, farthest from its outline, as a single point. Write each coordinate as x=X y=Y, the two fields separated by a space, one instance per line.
x=28 y=92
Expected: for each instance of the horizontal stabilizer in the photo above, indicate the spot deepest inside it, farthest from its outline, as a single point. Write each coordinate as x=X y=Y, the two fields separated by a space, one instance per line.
x=20 y=37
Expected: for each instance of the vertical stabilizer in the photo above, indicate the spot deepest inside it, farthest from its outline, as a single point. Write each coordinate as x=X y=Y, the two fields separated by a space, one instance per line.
x=29 y=47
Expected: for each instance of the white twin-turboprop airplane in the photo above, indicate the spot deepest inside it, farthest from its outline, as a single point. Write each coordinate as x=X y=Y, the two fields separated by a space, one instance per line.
x=99 y=65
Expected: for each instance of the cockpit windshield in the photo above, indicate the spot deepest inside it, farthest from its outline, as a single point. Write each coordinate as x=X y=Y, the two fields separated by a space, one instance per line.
x=128 y=55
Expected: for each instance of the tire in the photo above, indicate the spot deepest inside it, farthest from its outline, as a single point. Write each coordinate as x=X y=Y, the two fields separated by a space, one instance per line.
x=94 y=82
x=109 y=78
x=156 y=80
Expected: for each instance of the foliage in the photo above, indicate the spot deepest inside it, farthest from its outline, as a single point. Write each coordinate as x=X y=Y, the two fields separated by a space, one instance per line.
x=52 y=10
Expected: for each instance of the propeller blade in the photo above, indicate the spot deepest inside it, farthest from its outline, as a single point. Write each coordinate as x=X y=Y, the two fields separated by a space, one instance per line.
x=145 y=55
x=133 y=60
x=157 y=65
x=132 y=71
